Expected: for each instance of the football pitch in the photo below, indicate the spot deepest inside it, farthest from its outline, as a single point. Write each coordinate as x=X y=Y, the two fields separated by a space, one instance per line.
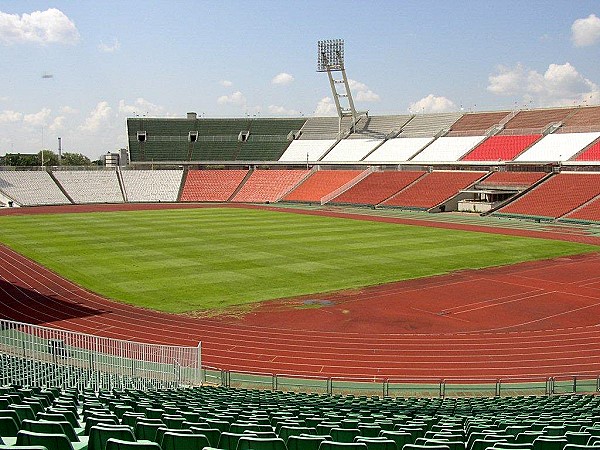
x=183 y=260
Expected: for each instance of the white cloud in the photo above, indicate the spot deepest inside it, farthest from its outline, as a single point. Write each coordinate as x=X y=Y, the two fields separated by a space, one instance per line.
x=109 y=48
x=559 y=85
x=98 y=117
x=237 y=98
x=141 y=107
x=225 y=83
x=38 y=119
x=432 y=104
x=325 y=107
x=361 y=92
x=8 y=116
x=68 y=110
x=282 y=79
x=282 y=111
x=57 y=124
x=585 y=32
x=40 y=27
x=507 y=81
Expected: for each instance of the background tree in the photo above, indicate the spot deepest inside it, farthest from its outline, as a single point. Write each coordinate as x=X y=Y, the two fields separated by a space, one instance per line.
x=75 y=159
x=50 y=158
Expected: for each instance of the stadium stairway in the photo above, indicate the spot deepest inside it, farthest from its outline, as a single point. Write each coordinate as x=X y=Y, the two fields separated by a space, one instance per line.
x=60 y=186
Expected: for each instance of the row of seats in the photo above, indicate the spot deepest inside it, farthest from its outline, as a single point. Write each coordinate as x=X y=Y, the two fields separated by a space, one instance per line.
x=238 y=419
x=561 y=194
x=294 y=139
x=98 y=186
x=532 y=147
x=209 y=139
x=568 y=195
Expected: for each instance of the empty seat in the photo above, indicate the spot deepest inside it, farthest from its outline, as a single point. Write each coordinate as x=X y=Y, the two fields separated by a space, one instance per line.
x=344 y=434
x=377 y=443
x=118 y=444
x=259 y=443
x=52 y=441
x=213 y=434
x=100 y=434
x=229 y=441
x=330 y=445
x=304 y=442
x=183 y=441
x=547 y=443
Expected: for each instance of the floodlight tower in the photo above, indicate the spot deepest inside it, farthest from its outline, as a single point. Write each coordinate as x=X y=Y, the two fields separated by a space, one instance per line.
x=331 y=59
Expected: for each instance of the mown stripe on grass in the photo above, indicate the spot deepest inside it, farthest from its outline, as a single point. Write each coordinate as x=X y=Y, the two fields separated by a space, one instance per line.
x=192 y=259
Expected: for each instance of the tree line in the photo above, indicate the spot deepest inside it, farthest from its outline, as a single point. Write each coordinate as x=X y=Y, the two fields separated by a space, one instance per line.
x=46 y=158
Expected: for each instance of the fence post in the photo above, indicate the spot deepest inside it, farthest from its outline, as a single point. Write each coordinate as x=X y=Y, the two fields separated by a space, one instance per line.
x=386 y=387
x=498 y=384
x=442 y=388
x=329 y=386
x=274 y=382
x=598 y=384
x=574 y=385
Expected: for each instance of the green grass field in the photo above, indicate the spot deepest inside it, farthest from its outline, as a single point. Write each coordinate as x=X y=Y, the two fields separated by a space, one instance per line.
x=197 y=259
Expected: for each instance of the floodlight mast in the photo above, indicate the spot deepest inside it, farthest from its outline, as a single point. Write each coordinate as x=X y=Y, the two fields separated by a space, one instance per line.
x=331 y=59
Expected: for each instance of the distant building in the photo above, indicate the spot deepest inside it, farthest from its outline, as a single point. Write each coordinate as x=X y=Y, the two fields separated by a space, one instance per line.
x=116 y=159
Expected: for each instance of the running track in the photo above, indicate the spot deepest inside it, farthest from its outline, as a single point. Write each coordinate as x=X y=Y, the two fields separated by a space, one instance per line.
x=534 y=319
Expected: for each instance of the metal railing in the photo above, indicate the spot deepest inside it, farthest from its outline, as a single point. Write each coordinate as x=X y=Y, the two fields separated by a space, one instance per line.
x=37 y=355
x=404 y=387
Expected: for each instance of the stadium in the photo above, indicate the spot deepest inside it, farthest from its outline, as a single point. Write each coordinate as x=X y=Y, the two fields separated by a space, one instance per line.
x=359 y=281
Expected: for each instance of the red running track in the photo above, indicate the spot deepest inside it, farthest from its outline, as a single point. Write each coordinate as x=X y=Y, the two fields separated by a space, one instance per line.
x=534 y=319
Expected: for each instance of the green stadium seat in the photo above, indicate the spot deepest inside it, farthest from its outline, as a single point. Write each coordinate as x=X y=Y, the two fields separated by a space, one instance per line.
x=52 y=441
x=213 y=434
x=92 y=421
x=119 y=410
x=262 y=434
x=401 y=438
x=577 y=437
x=528 y=436
x=344 y=434
x=240 y=427
x=229 y=441
x=258 y=443
x=173 y=421
x=581 y=447
x=183 y=441
x=147 y=431
x=330 y=445
x=370 y=430
x=425 y=447
x=69 y=414
x=304 y=442
x=349 y=423
x=286 y=431
x=452 y=444
x=63 y=427
x=100 y=434
x=130 y=418
x=154 y=413
x=377 y=443
x=162 y=430
x=222 y=425
x=118 y=444
x=8 y=427
x=513 y=446
x=548 y=443
x=22 y=447
x=23 y=411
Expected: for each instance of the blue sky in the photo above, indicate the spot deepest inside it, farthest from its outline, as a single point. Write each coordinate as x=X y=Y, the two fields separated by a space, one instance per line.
x=109 y=60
